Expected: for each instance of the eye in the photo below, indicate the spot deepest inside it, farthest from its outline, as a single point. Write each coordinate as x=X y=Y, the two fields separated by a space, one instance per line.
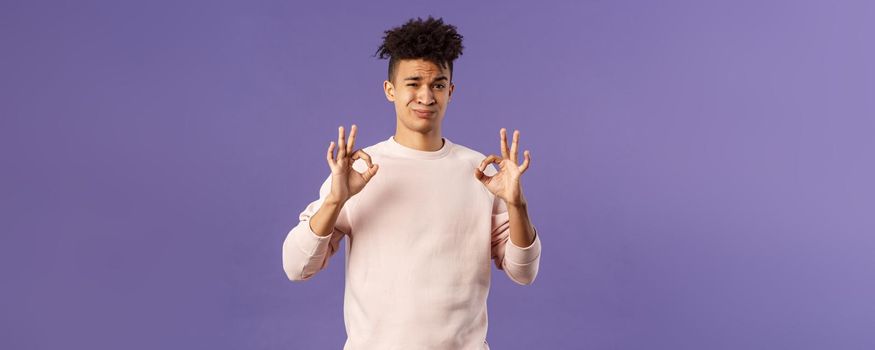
x=412 y=84
x=440 y=86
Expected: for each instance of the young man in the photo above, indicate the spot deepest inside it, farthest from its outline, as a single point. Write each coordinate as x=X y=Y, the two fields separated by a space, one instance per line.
x=422 y=216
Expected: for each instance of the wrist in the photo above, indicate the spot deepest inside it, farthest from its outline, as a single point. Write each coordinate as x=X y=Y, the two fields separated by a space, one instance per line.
x=519 y=203
x=334 y=200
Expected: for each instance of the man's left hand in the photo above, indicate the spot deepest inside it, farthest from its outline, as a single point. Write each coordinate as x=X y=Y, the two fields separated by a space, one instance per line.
x=506 y=182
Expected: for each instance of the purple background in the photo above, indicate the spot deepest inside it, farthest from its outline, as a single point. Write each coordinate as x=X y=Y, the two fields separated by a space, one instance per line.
x=702 y=171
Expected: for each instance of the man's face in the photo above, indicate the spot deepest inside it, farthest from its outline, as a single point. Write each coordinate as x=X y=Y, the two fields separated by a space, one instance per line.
x=420 y=92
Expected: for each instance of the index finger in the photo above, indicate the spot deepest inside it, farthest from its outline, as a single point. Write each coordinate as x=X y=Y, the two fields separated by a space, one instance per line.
x=488 y=160
x=363 y=155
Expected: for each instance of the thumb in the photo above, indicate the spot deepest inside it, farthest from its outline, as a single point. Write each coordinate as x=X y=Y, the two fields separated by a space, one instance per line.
x=481 y=176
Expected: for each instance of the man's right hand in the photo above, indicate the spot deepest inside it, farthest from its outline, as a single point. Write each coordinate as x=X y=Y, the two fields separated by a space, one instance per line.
x=345 y=181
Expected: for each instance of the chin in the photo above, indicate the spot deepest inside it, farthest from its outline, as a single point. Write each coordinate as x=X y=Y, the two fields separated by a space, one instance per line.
x=420 y=125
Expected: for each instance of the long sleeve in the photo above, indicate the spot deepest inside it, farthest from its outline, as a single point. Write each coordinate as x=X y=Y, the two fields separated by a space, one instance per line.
x=304 y=252
x=519 y=263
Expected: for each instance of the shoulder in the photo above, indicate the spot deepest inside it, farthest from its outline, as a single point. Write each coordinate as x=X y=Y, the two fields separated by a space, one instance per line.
x=473 y=157
x=464 y=152
x=468 y=155
x=375 y=151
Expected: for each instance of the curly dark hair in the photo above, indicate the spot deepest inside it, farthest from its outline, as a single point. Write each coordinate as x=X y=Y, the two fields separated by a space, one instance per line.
x=428 y=39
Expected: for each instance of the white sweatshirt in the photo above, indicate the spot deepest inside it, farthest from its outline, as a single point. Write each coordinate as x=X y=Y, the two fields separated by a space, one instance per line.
x=420 y=237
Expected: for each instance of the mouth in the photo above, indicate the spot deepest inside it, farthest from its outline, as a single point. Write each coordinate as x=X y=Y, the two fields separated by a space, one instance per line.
x=424 y=114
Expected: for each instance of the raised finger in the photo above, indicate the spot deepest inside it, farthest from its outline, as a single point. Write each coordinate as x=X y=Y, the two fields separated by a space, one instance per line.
x=526 y=161
x=330 y=155
x=351 y=145
x=503 y=134
x=341 y=143
x=514 y=147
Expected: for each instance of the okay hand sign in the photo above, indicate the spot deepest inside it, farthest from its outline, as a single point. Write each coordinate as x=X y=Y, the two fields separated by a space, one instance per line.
x=505 y=184
x=345 y=181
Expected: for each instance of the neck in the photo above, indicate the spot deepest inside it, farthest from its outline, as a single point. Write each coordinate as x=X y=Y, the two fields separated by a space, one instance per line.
x=429 y=142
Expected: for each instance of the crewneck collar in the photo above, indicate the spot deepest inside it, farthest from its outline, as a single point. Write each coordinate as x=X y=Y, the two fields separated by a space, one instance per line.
x=401 y=150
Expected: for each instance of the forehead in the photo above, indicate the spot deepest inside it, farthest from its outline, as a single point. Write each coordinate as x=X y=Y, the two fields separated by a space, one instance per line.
x=421 y=68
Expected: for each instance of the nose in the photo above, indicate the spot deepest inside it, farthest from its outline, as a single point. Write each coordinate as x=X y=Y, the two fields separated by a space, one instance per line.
x=425 y=96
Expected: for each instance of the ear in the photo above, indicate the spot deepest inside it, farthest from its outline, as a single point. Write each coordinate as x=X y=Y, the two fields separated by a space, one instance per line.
x=452 y=87
x=389 y=89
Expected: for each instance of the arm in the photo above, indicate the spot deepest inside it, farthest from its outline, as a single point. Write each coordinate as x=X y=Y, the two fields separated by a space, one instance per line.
x=516 y=246
x=324 y=222
x=522 y=234
x=317 y=236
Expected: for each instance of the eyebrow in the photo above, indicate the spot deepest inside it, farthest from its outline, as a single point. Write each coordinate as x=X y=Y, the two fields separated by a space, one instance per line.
x=420 y=78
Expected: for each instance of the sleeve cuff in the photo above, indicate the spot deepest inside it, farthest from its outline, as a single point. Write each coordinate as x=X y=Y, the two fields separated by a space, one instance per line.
x=523 y=255
x=308 y=240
